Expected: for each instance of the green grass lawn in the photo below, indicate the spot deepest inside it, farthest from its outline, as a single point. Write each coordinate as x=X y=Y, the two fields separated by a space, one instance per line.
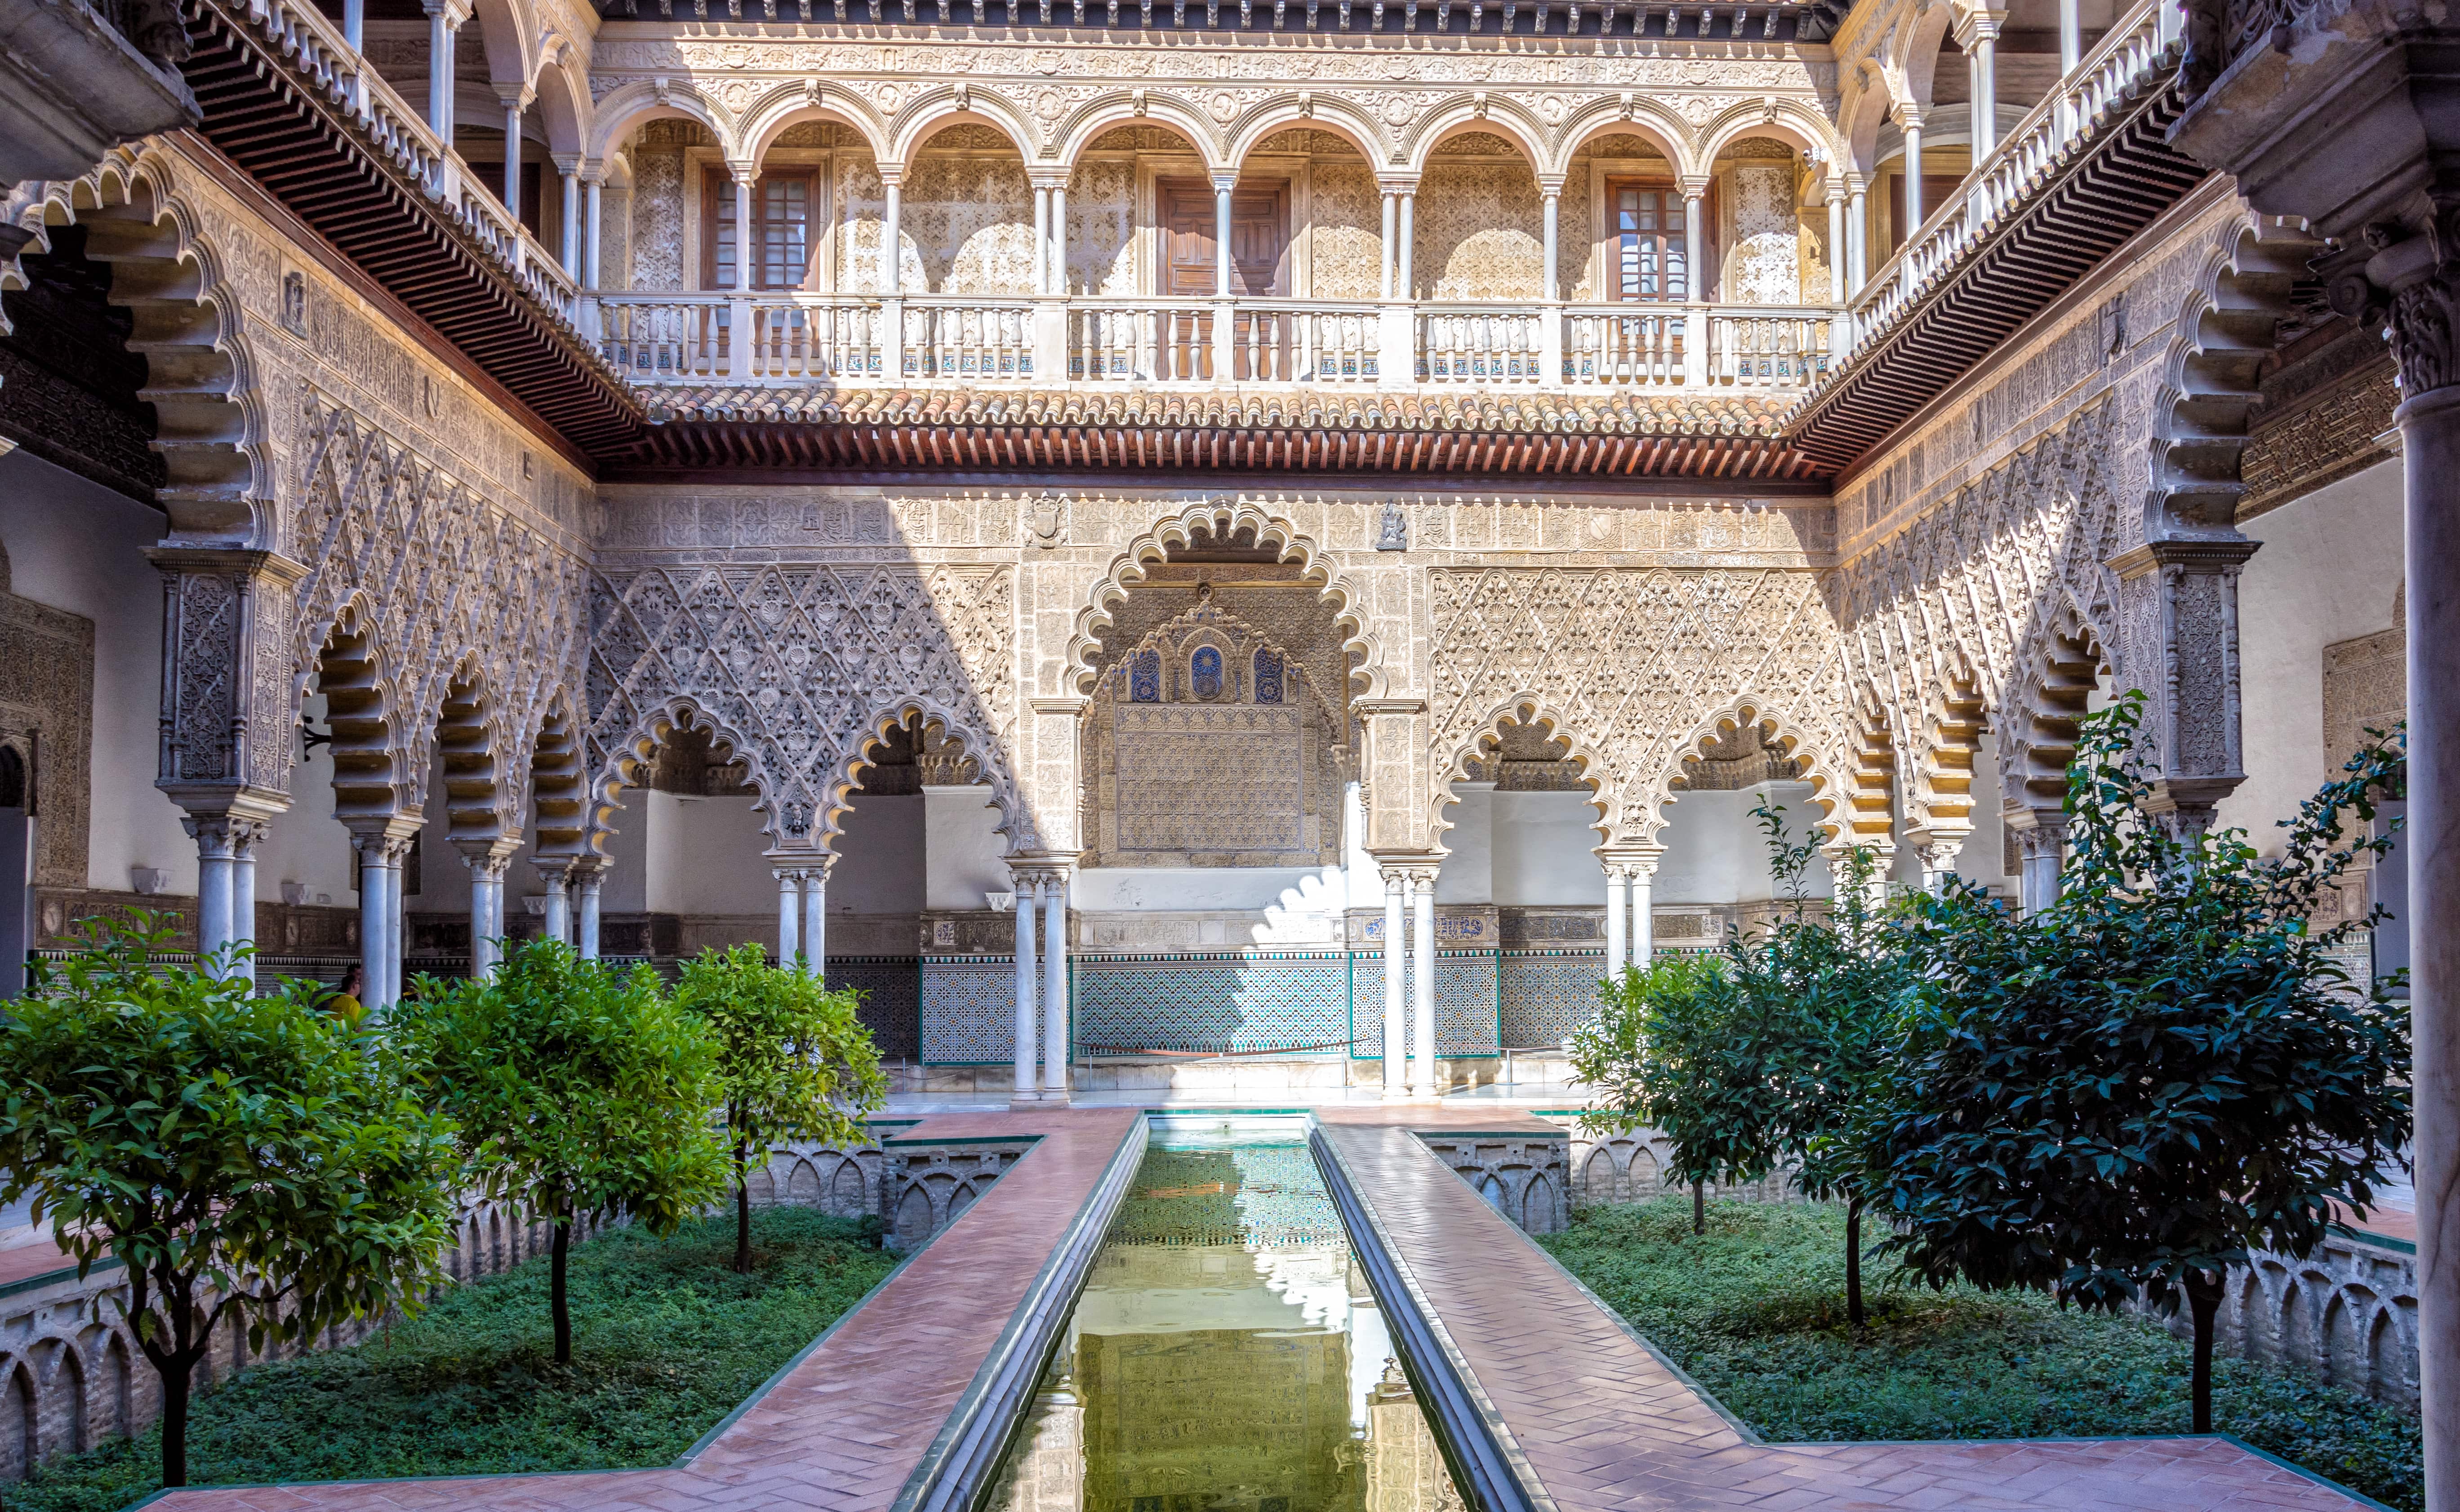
x=667 y=1340
x=1755 y=1311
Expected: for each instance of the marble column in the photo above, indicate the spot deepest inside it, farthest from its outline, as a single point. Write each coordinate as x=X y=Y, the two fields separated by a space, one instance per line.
x=376 y=917
x=1644 y=932
x=2042 y=839
x=892 y=261
x=242 y=903
x=213 y=837
x=1027 y=1089
x=1223 y=269
x=816 y=921
x=1396 y=984
x=557 y=875
x=746 y=249
x=441 y=25
x=586 y=880
x=1910 y=119
x=1059 y=241
x=567 y=171
x=1040 y=240
x=1857 y=233
x=1983 y=56
x=1055 y=989
x=1391 y=217
x=789 y=914
x=486 y=909
x=1423 y=1071
x=1407 y=285
x=1695 y=251
x=594 y=186
x=512 y=156
x=397 y=911
x=1551 y=202
x=1617 y=911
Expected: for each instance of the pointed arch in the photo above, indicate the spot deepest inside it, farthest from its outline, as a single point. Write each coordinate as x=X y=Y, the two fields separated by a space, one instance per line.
x=1870 y=791
x=200 y=378
x=469 y=731
x=1945 y=750
x=559 y=812
x=362 y=709
x=1224 y=519
x=2056 y=673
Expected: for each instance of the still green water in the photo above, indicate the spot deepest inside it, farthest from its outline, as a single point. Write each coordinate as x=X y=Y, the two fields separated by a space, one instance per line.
x=1226 y=1356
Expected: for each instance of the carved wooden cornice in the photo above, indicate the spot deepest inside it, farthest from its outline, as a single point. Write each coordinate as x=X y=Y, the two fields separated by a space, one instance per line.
x=281 y=117
x=1534 y=434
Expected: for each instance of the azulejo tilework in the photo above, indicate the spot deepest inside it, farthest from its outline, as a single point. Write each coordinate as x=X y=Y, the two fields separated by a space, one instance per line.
x=1546 y=993
x=1465 y=1005
x=1292 y=1000
x=969 y=1009
x=892 y=999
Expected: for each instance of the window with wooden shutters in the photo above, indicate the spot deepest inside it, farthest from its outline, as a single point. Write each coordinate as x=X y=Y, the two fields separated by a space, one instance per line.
x=781 y=230
x=1647 y=255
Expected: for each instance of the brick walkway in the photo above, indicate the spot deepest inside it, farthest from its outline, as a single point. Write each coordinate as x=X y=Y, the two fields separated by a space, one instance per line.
x=843 y=1431
x=1605 y=1426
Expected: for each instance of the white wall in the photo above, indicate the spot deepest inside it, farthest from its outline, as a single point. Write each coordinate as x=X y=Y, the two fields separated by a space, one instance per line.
x=1468 y=871
x=2330 y=569
x=307 y=845
x=1714 y=850
x=880 y=848
x=1546 y=850
x=961 y=847
x=77 y=546
x=704 y=856
x=1984 y=851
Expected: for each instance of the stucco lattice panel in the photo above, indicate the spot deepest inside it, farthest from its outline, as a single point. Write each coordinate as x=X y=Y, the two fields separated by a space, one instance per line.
x=861 y=215
x=1227 y=1003
x=1466 y=1021
x=1102 y=229
x=1479 y=231
x=658 y=220
x=966 y=225
x=969 y=1009
x=1547 y=995
x=795 y=663
x=1762 y=268
x=444 y=577
x=1632 y=665
x=1345 y=256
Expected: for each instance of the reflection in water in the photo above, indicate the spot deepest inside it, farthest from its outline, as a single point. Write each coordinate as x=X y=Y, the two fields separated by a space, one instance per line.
x=1226 y=1356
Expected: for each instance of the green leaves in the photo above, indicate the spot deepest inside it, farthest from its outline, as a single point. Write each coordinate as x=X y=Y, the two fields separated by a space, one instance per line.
x=792 y=1058
x=238 y=1153
x=1672 y=1049
x=577 y=1089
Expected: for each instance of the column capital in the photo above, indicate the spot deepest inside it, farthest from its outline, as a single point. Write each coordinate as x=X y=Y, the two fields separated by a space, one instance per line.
x=223 y=836
x=554 y=871
x=1910 y=114
x=566 y=163
x=453 y=12
x=1551 y=185
x=1396 y=183
x=1977 y=26
x=1856 y=181
x=1049 y=177
x=892 y=175
x=743 y=173
x=1224 y=182
x=1693 y=185
x=1631 y=862
x=516 y=96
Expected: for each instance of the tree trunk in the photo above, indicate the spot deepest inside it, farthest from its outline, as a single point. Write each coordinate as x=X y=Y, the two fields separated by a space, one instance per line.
x=558 y=1301
x=2204 y=1301
x=742 y=1212
x=1699 y=1207
x=1854 y=1312
x=174 y=1424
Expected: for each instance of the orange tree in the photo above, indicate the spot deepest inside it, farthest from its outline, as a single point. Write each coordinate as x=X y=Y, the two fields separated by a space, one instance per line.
x=2123 y=1094
x=793 y=1062
x=579 y=1091
x=240 y=1155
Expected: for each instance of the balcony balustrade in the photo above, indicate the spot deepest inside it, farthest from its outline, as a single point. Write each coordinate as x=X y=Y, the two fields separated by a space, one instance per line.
x=852 y=340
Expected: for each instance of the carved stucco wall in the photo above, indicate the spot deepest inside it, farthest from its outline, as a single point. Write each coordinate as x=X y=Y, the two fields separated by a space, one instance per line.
x=1479 y=231
x=47 y=716
x=397 y=485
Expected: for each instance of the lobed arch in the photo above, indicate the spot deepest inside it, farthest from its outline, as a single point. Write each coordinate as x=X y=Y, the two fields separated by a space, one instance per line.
x=469 y=729
x=1224 y=519
x=2055 y=676
x=1871 y=789
x=1333 y=113
x=1530 y=711
x=1946 y=751
x=935 y=109
x=362 y=708
x=636 y=104
x=1639 y=115
x=1827 y=793
x=1082 y=127
x=982 y=751
x=559 y=813
x=812 y=100
x=2228 y=323
x=626 y=765
x=1496 y=114
x=210 y=425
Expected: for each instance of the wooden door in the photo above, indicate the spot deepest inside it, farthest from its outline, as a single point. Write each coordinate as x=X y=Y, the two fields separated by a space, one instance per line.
x=1648 y=253
x=782 y=204
x=1260 y=239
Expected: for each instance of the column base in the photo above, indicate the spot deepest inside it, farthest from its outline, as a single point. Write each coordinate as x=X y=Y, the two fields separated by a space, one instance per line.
x=1047 y=1097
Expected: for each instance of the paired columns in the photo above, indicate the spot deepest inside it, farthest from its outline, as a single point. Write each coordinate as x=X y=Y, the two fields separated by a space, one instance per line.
x=2042 y=837
x=1041 y=895
x=1631 y=939
x=1909 y=118
x=444 y=18
x=1409 y=991
x=487 y=864
x=802 y=915
x=381 y=848
x=226 y=890
x=1978 y=33
x=517 y=99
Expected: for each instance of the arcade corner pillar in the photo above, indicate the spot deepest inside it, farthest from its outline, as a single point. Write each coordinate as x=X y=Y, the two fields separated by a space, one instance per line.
x=2348 y=118
x=226 y=740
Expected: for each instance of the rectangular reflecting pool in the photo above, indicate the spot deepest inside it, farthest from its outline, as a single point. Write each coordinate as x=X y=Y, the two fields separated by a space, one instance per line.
x=1226 y=1355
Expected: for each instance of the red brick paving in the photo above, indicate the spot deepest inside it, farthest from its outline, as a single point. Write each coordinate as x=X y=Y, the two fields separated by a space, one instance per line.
x=843 y=1431
x=1606 y=1427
